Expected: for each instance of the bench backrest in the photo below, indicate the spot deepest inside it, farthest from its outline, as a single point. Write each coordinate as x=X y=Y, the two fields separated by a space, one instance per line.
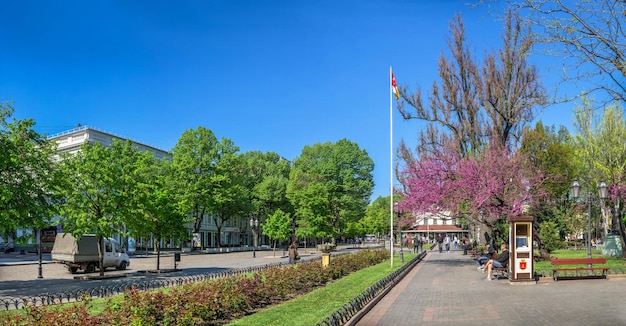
x=576 y=261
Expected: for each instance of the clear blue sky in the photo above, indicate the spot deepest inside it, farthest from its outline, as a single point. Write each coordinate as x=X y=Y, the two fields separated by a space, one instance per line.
x=270 y=75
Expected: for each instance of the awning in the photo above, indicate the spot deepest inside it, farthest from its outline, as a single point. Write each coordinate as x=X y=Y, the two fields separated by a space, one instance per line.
x=437 y=229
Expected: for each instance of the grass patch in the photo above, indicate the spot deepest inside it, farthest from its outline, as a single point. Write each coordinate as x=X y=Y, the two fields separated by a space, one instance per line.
x=312 y=308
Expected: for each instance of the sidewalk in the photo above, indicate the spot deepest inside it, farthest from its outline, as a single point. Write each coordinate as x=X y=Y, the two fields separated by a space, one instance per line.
x=446 y=289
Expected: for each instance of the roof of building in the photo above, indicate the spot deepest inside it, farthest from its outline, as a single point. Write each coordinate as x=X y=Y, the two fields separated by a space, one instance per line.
x=437 y=228
x=85 y=128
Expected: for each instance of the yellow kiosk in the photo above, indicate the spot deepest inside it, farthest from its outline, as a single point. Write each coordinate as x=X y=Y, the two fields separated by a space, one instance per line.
x=521 y=259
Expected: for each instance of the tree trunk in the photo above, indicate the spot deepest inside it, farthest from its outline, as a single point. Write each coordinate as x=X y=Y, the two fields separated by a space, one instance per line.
x=219 y=235
x=158 y=250
x=100 y=255
x=275 y=247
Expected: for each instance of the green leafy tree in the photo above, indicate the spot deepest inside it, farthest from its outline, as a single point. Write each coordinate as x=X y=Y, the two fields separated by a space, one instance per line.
x=98 y=190
x=551 y=153
x=600 y=151
x=230 y=196
x=195 y=159
x=330 y=185
x=27 y=175
x=377 y=219
x=354 y=229
x=278 y=226
x=159 y=212
x=267 y=176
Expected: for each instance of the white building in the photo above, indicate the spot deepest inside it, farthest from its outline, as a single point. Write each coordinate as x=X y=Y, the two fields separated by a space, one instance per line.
x=237 y=233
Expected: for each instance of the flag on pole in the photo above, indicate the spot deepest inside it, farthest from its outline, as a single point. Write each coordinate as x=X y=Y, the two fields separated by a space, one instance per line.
x=394 y=87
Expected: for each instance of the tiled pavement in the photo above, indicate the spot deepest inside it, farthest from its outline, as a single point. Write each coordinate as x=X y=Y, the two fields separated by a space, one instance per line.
x=446 y=289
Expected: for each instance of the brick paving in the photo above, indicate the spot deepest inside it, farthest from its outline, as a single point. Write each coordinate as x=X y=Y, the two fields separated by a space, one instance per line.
x=446 y=289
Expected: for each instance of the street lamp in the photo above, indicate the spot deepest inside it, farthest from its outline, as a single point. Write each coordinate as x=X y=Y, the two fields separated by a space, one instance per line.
x=254 y=225
x=39 y=253
x=602 y=195
x=399 y=233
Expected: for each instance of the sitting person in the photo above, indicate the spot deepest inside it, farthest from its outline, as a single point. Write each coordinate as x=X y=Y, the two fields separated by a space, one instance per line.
x=501 y=261
x=485 y=257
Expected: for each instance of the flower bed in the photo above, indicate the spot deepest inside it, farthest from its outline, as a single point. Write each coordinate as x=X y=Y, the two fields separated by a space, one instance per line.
x=204 y=303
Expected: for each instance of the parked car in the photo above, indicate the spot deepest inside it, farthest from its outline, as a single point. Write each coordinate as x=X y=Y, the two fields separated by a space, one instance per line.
x=83 y=253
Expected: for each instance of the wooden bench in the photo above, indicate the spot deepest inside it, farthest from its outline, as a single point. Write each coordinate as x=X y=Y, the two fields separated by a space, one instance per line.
x=500 y=272
x=572 y=271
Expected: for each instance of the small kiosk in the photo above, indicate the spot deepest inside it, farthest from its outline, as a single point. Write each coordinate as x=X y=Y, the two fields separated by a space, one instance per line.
x=522 y=255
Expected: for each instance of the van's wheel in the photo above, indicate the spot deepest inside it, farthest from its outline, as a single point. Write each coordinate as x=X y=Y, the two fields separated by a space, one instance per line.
x=72 y=269
x=122 y=266
x=91 y=267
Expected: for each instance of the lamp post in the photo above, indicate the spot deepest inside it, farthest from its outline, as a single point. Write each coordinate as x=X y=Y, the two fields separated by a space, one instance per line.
x=39 y=253
x=254 y=225
x=602 y=194
x=399 y=233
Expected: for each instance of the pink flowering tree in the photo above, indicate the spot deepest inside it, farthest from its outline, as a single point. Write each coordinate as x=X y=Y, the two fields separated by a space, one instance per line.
x=489 y=186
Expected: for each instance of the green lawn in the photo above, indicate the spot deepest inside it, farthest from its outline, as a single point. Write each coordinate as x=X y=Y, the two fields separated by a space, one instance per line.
x=313 y=307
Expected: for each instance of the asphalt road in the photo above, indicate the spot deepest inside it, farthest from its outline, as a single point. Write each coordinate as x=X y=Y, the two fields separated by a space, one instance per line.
x=19 y=273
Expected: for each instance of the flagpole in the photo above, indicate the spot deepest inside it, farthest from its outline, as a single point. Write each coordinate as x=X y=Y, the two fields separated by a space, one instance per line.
x=391 y=164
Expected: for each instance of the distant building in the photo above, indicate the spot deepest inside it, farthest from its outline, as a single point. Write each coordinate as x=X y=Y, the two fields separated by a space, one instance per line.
x=428 y=225
x=71 y=140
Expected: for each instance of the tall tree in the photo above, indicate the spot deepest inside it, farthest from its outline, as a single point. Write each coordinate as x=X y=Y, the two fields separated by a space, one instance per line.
x=511 y=91
x=27 y=174
x=474 y=105
x=329 y=185
x=267 y=176
x=99 y=197
x=195 y=159
x=230 y=196
x=600 y=151
x=551 y=153
x=589 y=38
x=160 y=213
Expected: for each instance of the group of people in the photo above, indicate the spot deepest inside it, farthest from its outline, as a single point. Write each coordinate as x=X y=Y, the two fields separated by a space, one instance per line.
x=445 y=242
x=486 y=262
x=418 y=244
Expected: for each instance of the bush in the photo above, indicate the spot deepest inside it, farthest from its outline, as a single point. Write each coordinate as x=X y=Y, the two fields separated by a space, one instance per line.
x=549 y=234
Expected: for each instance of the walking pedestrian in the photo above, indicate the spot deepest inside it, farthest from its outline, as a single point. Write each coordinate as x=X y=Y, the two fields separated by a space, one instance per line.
x=440 y=242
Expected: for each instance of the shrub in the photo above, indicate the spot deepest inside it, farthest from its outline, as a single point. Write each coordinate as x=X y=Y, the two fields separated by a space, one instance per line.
x=550 y=236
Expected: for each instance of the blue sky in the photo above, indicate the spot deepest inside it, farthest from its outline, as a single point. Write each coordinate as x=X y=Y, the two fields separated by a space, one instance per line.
x=270 y=75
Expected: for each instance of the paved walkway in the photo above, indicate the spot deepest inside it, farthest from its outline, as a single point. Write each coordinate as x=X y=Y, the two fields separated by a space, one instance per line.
x=446 y=289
